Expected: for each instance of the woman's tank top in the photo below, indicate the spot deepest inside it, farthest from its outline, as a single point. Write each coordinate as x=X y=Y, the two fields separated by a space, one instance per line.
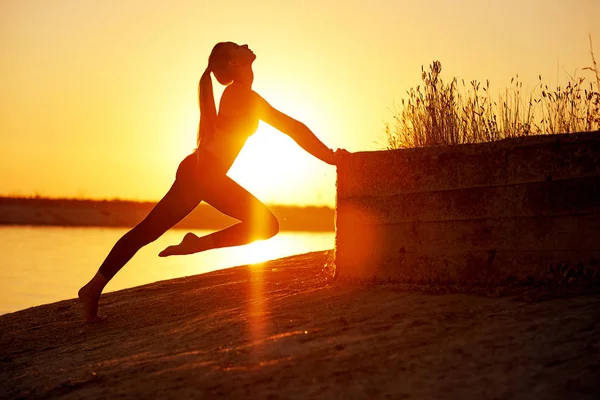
x=229 y=138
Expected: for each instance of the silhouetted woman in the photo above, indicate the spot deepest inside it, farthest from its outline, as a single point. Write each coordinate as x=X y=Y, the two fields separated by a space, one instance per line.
x=201 y=176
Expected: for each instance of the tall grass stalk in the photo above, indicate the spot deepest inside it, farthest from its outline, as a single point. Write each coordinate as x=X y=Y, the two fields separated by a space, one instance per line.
x=439 y=112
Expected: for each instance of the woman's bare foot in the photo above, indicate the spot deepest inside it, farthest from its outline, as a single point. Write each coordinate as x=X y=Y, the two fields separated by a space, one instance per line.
x=188 y=245
x=89 y=295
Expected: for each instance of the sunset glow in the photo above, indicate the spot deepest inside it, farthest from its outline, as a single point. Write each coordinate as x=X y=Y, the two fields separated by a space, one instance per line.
x=99 y=99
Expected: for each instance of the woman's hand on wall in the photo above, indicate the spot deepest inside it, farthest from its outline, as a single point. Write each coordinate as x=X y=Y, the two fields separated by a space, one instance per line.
x=339 y=156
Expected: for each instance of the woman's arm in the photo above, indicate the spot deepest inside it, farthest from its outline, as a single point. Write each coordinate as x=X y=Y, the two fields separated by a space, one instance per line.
x=294 y=129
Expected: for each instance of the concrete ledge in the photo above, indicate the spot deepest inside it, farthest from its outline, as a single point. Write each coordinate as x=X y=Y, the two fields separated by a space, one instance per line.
x=518 y=209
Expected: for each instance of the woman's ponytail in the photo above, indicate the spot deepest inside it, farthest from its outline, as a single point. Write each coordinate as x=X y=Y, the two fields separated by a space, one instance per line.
x=208 y=110
x=218 y=65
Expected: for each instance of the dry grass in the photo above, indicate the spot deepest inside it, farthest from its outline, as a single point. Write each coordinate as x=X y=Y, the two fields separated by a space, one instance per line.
x=439 y=112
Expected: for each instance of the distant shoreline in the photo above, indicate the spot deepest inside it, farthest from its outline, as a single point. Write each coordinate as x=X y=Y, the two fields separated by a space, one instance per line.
x=127 y=213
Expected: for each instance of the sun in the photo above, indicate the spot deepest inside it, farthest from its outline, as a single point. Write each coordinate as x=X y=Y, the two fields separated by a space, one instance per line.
x=273 y=167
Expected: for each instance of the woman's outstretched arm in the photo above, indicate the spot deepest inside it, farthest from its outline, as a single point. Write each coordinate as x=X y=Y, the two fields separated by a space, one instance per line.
x=299 y=132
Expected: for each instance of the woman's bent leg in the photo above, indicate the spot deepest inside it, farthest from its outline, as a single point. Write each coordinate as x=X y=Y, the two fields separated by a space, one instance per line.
x=227 y=196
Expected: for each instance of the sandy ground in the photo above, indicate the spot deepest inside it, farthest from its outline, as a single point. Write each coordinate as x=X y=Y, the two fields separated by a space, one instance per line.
x=283 y=330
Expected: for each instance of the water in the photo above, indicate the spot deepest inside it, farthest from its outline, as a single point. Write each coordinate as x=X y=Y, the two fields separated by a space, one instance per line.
x=40 y=265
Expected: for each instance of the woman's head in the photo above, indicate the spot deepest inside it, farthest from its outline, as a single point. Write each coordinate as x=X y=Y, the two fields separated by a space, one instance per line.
x=229 y=62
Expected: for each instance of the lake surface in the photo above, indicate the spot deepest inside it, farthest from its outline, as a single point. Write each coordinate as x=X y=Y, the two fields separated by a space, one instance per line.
x=40 y=265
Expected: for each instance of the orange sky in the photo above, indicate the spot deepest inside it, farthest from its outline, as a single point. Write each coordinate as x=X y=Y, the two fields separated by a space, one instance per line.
x=98 y=98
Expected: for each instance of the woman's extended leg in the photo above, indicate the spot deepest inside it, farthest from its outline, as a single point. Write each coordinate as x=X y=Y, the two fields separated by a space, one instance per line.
x=256 y=220
x=172 y=208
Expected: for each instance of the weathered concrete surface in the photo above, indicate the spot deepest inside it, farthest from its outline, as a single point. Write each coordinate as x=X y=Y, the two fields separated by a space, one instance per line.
x=510 y=161
x=281 y=330
x=518 y=209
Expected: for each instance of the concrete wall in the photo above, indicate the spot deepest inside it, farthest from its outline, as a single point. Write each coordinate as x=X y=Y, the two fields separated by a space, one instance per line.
x=517 y=209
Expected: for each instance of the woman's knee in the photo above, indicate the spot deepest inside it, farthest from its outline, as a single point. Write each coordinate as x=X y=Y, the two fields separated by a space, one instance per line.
x=266 y=227
x=272 y=226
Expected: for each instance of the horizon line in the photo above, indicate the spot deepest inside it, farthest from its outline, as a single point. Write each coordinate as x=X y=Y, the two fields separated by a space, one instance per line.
x=124 y=200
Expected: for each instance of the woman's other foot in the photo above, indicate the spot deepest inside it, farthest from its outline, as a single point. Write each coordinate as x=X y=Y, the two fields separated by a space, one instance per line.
x=89 y=296
x=188 y=245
